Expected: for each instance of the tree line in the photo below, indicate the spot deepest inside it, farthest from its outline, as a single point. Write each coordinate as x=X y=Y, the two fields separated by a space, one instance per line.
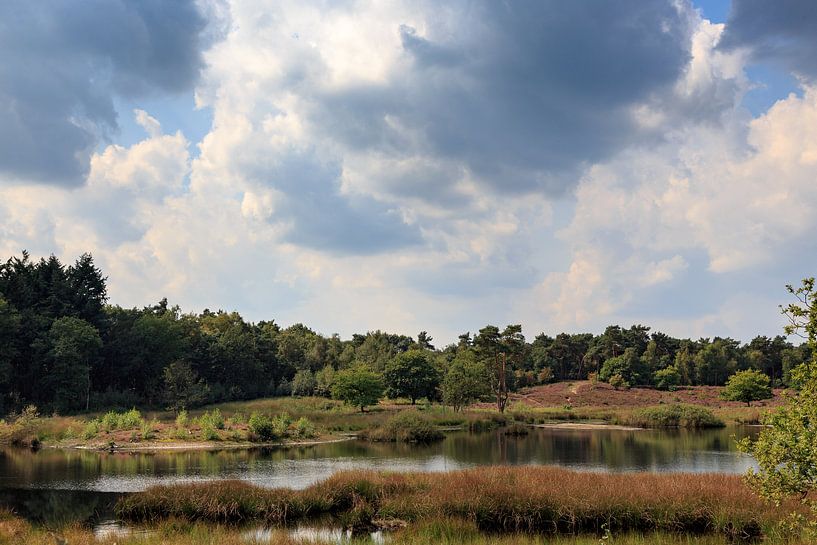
x=64 y=348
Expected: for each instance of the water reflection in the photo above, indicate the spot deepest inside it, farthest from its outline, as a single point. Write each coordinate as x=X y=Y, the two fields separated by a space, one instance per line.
x=298 y=467
x=313 y=534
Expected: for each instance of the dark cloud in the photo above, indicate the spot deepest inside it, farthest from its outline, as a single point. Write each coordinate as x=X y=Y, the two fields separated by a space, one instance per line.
x=784 y=31
x=523 y=94
x=322 y=218
x=61 y=62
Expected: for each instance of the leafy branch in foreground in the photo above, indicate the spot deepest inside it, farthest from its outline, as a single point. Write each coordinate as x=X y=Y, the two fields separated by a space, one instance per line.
x=786 y=450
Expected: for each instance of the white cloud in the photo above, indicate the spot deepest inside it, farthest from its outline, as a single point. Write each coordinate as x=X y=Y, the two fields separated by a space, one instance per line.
x=295 y=212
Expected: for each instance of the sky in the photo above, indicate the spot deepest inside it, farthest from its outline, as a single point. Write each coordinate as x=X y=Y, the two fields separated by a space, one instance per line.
x=409 y=165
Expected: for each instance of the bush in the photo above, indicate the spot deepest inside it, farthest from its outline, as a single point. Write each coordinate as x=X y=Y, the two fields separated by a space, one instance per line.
x=516 y=430
x=212 y=420
x=667 y=379
x=90 y=430
x=261 y=427
x=406 y=427
x=129 y=420
x=304 y=429
x=618 y=382
x=280 y=424
x=675 y=416
x=147 y=429
x=181 y=420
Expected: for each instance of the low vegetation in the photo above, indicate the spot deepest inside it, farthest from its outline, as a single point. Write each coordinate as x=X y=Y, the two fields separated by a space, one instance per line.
x=498 y=499
x=674 y=416
x=406 y=427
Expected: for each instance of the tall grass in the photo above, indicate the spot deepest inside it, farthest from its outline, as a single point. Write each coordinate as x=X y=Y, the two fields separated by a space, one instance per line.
x=406 y=427
x=674 y=416
x=495 y=499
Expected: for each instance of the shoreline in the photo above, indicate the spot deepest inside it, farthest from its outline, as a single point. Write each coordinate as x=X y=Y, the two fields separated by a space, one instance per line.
x=587 y=426
x=194 y=446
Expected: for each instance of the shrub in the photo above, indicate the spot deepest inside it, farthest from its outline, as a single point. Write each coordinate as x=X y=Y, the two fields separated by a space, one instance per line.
x=667 y=378
x=516 y=430
x=90 y=430
x=747 y=386
x=212 y=419
x=489 y=422
x=148 y=428
x=304 y=428
x=181 y=420
x=280 y=424
x=121 y=421
x=238 y=418
x=208 y=432
x=618 y=382
x=675 y=416
x=407 y=427
x=261 y=427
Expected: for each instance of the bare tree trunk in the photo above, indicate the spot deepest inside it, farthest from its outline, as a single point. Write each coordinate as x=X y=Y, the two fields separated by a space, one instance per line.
x=502 y=390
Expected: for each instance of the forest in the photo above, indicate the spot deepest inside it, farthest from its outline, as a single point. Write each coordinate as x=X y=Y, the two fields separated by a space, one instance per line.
x=66 y=349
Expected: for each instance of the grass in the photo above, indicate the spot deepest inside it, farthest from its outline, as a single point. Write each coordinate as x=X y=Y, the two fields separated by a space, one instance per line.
x=406 y=427
x=494 y=499
x=674 y=416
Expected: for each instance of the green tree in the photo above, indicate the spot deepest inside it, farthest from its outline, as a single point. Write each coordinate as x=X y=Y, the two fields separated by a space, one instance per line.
x=747 y=386
x=73 y=345
x=182 y=386
x=464 y=381
x=323 y=381
x=9 y=327
x=786 y=449
x=411 y=374
x=667 y=378
x=303 y=383
x=626 y=366
x=358 y=386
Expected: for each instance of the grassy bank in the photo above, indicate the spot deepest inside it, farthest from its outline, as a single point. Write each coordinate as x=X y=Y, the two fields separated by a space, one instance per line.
x=494 y=499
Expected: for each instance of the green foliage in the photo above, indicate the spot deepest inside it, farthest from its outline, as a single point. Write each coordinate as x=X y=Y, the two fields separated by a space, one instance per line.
x=129 y=420
x=182 y=419
x=212 y=419
x=357 y=386
x=411 y=374
x=618 y=382
x=73 y=345
x=675 y=416
x=747 y=386
x=281 y=424
x=148 y=429
x=626 y=366
x=182 y=386
x=90 y=430
x=323 y=381
x=667 y=379
x=304 y=429
x=464 y=382
x=786 y=449
x=261 y=427
x=303 y=383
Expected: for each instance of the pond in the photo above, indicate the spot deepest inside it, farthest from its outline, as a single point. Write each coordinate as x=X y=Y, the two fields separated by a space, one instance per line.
x=53 y=485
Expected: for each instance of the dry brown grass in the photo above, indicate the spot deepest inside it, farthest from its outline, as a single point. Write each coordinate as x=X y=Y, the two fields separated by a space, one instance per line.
x=503 y=499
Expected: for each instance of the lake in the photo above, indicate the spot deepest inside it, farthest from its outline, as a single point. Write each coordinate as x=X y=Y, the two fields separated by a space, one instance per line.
x=58 y=485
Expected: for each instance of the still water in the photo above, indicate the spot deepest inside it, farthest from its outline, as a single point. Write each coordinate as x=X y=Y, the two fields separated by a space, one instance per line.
x=46 y=484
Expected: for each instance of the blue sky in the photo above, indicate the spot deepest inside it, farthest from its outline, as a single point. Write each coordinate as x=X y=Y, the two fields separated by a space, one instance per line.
x=403 y=166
